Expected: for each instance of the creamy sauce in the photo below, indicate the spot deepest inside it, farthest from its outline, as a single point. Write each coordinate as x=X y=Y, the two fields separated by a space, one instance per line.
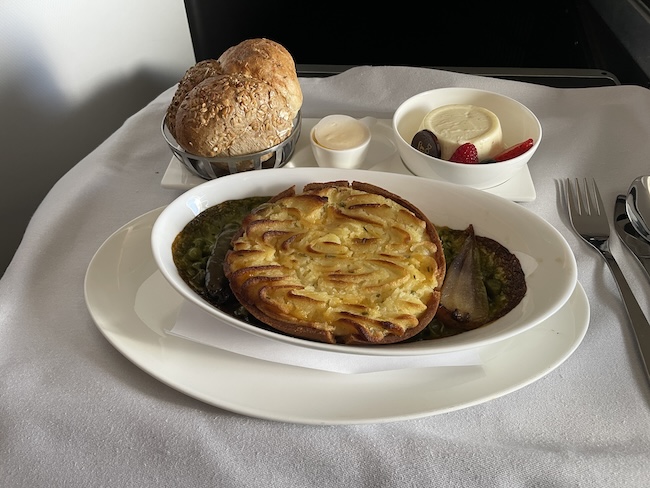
x=340 y=132
x=454 y=125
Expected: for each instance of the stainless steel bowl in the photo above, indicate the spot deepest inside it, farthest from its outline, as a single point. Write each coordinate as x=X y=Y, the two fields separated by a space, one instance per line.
x=211 y=168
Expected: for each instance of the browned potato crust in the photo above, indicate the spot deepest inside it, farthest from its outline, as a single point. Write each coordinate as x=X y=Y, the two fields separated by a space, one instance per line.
x=340 y=262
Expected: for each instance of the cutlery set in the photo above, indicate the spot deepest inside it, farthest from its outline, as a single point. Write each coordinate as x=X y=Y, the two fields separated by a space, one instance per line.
x=589 y=220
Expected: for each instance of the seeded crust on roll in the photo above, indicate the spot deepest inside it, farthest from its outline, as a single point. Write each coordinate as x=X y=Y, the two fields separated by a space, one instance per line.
x=230 y=115
x=269 y=61
x=193 y=76
x=236 y=117
x=342 y=262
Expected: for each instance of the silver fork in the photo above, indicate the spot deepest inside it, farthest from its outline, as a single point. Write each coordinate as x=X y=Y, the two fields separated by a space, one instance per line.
x=589 y=220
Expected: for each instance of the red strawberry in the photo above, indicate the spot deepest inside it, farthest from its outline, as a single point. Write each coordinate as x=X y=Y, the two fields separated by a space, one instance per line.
x=514 y=151
x=466 y=153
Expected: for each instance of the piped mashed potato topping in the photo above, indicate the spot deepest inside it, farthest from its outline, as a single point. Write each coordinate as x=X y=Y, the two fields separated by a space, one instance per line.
x=340 y=260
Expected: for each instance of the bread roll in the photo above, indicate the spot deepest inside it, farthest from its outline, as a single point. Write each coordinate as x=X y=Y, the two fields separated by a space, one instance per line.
x=231 y=115
x=269 y=61
x=193 y=76
x=339 y=263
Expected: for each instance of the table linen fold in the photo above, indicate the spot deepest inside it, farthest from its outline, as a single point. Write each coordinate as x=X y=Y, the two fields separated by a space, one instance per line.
x=75 y=412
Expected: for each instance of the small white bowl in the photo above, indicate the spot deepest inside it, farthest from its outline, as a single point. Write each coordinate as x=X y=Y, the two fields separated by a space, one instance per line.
x=518 y=124
x=343 y=143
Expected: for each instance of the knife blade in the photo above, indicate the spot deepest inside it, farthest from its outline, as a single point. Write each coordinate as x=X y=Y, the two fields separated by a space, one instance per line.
x=635 y=243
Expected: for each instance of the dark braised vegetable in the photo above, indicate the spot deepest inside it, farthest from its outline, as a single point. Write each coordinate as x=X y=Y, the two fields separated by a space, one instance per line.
x=464 y=294
x=478 y=269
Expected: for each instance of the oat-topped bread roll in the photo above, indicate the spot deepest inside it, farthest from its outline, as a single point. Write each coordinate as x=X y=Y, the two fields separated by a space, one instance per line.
x=269 y=61
x=246 y=102
x=341 y=262
x=230 y=115
x=193 y=76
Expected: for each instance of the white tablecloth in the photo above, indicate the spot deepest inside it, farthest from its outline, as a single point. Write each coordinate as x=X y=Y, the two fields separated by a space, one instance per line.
x=75 y=412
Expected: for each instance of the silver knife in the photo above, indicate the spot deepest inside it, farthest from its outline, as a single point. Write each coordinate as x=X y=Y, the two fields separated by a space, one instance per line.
x=637 y=245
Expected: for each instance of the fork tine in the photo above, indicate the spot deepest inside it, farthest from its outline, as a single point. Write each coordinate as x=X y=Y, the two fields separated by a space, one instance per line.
x=579 y=203
x=586 y=210
x=573 y=205
x=587 y=203
x=599 y=201
x=584 y=199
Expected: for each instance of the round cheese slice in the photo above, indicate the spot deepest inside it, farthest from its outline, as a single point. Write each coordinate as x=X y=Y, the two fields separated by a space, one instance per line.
x=457 y=124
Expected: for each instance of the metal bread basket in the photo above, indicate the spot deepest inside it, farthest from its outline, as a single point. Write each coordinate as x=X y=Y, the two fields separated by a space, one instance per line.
x=211 y=168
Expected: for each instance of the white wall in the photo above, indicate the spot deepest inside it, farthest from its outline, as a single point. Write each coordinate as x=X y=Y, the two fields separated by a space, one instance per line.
x=63 y=64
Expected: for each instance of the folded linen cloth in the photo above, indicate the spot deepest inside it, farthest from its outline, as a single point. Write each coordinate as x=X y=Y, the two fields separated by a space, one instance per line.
x=197 y=325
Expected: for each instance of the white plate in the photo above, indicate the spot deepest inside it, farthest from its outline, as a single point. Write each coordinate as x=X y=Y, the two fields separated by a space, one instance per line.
x=382 y=156
x=135 y=324
x=546 y=257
